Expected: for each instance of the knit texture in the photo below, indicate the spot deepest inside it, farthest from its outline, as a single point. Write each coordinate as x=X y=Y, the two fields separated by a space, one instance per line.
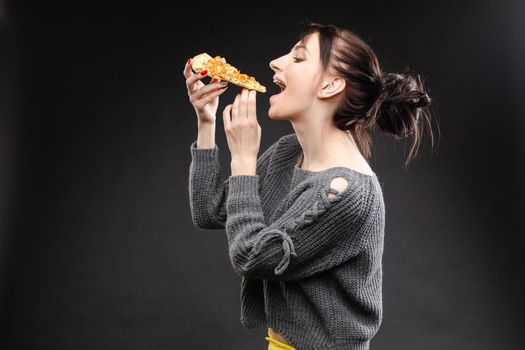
x=310 y=263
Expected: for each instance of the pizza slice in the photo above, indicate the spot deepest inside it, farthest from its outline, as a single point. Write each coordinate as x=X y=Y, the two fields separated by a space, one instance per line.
x=224 y=71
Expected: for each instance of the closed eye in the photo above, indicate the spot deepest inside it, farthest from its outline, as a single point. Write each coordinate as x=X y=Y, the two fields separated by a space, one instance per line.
x=295 y=59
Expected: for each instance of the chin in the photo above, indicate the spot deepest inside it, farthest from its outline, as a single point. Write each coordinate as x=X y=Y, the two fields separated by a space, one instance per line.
x=272 y=114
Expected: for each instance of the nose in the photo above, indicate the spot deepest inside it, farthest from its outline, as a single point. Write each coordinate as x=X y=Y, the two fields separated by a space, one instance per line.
x=273 y=65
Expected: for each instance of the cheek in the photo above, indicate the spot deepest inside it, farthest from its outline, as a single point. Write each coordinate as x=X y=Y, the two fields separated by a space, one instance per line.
x=301 y=85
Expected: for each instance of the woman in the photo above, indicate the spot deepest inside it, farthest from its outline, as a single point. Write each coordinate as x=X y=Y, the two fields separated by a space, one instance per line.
x=305 y=220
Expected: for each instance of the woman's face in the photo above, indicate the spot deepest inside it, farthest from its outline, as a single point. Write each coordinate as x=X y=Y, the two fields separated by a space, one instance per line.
x=301 y=71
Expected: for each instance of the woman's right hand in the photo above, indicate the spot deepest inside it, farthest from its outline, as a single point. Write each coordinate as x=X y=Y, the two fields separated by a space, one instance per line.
x=203 y=97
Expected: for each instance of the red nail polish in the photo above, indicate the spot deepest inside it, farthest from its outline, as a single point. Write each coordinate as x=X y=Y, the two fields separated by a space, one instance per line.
x=204 y=72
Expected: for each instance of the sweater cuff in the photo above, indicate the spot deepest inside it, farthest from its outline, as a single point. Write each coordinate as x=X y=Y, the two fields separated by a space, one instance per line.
x=204 y=154
x=243 y=185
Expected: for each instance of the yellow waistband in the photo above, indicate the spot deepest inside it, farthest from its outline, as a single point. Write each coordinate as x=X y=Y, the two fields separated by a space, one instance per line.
x=275 y=344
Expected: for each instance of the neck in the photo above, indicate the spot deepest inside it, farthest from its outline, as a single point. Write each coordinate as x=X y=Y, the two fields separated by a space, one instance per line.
x=322 y=142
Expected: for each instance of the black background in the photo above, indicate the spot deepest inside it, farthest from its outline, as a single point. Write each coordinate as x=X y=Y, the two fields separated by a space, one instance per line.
x=98 y=250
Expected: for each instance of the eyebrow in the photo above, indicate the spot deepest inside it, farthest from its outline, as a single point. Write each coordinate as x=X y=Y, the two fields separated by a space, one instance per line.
x=299 y=47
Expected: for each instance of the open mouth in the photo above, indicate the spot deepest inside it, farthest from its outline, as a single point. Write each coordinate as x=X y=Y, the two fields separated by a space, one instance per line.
x=281 y=85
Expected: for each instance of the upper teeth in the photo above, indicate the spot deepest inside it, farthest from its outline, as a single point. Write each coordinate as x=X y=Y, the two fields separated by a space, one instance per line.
x=280 y=83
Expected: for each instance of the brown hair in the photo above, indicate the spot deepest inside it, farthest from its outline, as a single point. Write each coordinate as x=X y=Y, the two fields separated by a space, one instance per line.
x=396 y=102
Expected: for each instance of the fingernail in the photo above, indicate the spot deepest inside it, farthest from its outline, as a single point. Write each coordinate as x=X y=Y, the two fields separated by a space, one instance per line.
x=189 y=60
x=223 y=83
x=204 y=72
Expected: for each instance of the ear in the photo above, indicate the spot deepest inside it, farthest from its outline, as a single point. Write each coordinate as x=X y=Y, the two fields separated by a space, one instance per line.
x=331 y=87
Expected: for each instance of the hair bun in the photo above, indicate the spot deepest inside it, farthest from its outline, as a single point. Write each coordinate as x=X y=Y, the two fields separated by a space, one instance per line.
x=401 y=98
x=424 y=101
x=405 y=89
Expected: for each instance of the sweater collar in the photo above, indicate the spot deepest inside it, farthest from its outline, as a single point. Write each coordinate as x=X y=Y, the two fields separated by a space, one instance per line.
x=303 y=174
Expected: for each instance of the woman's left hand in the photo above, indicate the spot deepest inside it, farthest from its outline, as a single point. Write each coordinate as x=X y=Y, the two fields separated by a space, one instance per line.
x=243 y=132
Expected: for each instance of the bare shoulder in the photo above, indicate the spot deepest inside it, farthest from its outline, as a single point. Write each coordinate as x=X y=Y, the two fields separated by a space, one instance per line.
x=339 y=184
x=359 y=164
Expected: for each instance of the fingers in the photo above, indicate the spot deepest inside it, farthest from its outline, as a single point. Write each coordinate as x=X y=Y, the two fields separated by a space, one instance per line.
x=201 y=92
x=195 y=78
x=235 y=108
x=252 y=108
x=187 y=69
x=226 y=116
x=243 y=103
x=209 y=97
x=244 y=106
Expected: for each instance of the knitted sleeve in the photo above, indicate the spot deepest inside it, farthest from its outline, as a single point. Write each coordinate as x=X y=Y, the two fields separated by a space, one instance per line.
x=207 y=192
x=312 y=236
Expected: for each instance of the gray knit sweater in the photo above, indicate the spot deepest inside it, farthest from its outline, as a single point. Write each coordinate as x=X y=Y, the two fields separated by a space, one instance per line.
x=310 y=264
